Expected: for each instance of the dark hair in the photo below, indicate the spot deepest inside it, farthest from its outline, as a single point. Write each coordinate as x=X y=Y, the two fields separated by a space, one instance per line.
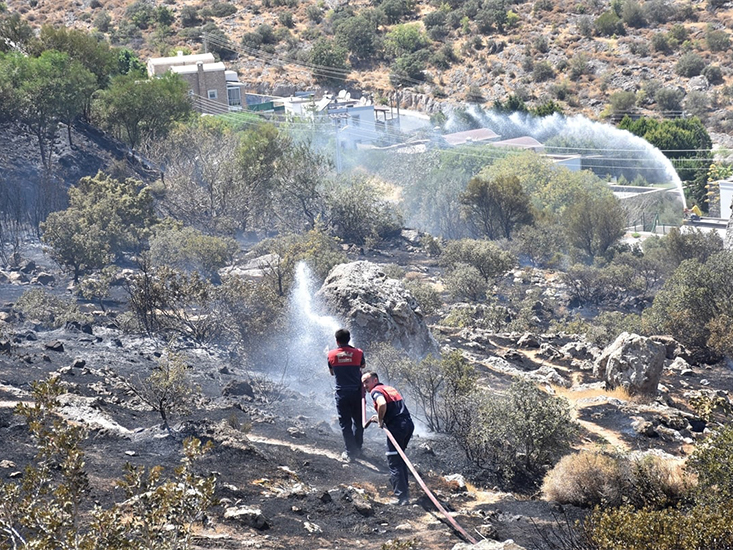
x=371 y=374
x=343 y=336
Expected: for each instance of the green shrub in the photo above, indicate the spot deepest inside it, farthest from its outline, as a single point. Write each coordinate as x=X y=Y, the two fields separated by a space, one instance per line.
x=358 y=211
x=626 y=528
x=585 y=25
x=713 y=74
x=542 y=71
x=717 y=41
x=712 y=462
x=689 y=65
x=286 y=19
x=223 y=9
x=465 y=282
x=660 y=43
x=314 y=13
x=609 y=24
x=50 y=310
x=622 y=102
x=669 y=100
x=427 y=297
x=437 y=386
x=141 y=13
x=189 y=16
x=186 y=248
x=485 y=256
x=517 y=434
x=53 y=503
x=633 y=14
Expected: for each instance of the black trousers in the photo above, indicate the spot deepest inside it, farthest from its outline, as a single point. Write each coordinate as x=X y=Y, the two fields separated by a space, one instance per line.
x=348 y=406
x=401 y=429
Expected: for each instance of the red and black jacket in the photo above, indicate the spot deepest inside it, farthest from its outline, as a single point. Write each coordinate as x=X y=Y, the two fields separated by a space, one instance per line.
x=396 y=407
x=346 y=363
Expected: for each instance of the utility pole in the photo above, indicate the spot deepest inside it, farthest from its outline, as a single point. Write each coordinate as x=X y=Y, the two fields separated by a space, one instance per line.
x=206 y=43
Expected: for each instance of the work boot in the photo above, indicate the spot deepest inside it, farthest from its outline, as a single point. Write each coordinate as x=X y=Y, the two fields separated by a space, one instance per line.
x=346 y=457
x=400 y=501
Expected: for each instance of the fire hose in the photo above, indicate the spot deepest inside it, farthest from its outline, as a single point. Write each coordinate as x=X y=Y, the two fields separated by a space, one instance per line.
x=420 y=481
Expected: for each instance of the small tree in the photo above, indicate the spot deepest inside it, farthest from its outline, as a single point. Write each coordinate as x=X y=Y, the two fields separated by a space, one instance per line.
x=485 y=256
x=594 y=224
x=497 y=206
x=105 y=219
x=515 y=435
x=47 y=508
x=329 y=60
x=136 y=109
x=169 y=389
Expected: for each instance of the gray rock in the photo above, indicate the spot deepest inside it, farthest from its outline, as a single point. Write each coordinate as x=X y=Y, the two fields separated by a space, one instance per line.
x=43 y=279
x=55 y=345
x=377 y=308
x=238 y=388
x=632 y=362
x=251 y=517
x=672 y=347
x=528 y=340
x=487 y=544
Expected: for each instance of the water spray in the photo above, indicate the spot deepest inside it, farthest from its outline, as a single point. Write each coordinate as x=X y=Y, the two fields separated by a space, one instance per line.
x=310 y=332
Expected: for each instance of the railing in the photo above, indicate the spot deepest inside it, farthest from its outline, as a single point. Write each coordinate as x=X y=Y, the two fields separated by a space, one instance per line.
x=649 y=223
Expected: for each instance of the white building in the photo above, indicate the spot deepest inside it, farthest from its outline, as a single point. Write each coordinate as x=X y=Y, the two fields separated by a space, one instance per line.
x=215 y=90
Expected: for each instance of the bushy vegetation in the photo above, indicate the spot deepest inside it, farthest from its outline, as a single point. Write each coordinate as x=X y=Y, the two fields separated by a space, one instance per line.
x=514 y=435
x=52 y=311
x=106 y=218
x=52 y=504
x=592 y=479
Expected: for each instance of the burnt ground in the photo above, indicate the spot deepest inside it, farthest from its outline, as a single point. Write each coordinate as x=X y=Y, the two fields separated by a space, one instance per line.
x=277 y=448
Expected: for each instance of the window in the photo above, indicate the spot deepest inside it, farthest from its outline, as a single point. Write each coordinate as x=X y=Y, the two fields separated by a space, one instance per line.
x=234 y=95
x=213 y=94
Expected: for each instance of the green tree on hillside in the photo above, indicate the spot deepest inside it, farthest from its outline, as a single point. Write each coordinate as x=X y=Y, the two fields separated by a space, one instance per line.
x=594 y=224
x=39 y=92
x=684 y=141
x=497 y=206
x=15 y=32
x=359 y=36
x=136 y=109
x=105 y=219
x=329 y=60
x=94 y=54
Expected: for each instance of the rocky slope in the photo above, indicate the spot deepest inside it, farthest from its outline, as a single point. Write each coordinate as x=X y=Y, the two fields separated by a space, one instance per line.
x=276 y=448
x=586 y=67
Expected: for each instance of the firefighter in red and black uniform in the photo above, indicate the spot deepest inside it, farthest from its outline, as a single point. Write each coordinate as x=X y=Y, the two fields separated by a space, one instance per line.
x=392 y=413
x=346 y=363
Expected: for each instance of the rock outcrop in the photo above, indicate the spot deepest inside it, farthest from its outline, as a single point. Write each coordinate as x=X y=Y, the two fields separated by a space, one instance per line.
x=377 y=308
x=632 y=362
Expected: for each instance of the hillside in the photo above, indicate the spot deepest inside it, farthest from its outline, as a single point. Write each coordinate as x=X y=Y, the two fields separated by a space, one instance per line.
x=276 y=443
x=578 y=54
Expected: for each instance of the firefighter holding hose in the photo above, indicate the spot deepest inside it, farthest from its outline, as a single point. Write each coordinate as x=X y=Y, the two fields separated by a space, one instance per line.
x=393 y=415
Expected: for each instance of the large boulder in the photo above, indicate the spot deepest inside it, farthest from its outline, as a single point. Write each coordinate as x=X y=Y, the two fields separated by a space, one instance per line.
x=632 y=362
x=376 y=308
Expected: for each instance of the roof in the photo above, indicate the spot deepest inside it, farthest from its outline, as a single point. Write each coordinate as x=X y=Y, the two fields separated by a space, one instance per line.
x=480 y=134
x=207 y=67
x=182 y=59
x=524 y=142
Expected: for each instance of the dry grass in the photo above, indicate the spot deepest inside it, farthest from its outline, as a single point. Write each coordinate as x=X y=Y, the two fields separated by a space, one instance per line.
x=591 y=478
